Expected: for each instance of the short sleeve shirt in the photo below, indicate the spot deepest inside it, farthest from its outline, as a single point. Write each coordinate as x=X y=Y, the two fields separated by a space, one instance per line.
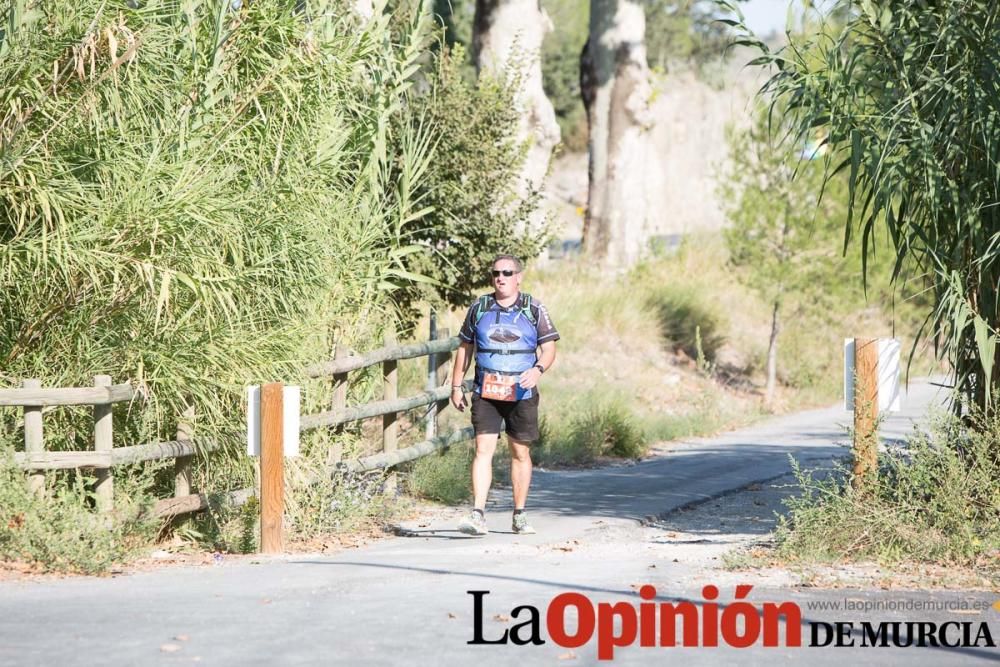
x=543 y=323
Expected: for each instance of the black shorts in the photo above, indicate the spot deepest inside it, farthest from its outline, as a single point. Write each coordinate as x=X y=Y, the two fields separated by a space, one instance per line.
x=520 y=417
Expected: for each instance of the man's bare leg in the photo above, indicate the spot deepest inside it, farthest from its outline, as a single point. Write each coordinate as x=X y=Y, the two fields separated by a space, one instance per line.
x=482 y=468
x=520 y=471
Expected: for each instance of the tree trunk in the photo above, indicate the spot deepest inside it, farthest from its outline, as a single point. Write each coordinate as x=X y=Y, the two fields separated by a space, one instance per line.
x=614 y=81
x=507 y=41
x=772 y=355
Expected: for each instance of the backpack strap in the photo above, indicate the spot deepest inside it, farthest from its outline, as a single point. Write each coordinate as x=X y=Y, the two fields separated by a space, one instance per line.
x=526 y=308
x=482 y=307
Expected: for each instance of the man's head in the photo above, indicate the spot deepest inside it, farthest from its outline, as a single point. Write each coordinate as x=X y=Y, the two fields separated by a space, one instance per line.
x=505 y=276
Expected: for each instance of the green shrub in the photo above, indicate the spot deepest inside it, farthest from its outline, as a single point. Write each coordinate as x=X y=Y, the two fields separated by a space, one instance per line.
x=470 y=187
x=937 y=500
x=60 y=532
x=342 y=504
x=444 y=476
x=685 y=318
x=602 y=430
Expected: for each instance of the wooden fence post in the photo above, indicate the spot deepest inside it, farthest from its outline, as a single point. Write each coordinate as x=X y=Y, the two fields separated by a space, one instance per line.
x=104 y=442
x=182 y=464
x=34 y=440
x=339 y=403
x=430 y=425
x=390 y=391
x=865 y=449
x=272 y=468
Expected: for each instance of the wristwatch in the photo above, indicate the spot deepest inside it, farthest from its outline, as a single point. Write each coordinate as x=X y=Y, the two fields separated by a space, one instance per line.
x=541 y=369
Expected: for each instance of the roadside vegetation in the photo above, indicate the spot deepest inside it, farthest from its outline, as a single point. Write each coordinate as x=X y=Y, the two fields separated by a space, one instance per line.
x=902 y=98
x=935 y=501
x=196 y=197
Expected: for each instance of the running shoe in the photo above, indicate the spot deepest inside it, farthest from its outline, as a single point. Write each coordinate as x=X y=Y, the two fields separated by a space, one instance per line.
x=474 y=524
x=521 y=525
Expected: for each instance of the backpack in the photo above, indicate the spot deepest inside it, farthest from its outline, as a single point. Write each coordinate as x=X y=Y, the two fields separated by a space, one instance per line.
x=486 y=302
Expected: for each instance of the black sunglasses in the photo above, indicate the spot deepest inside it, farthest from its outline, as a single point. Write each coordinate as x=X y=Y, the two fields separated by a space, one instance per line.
x=506 y=272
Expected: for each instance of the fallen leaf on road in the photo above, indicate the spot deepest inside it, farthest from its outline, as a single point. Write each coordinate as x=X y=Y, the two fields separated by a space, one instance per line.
x=652 y=566
x=451 y=615
x=170 y=648
x=501 y=618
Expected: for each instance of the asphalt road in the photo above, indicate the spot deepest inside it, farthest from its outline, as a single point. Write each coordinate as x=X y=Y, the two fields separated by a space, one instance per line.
x=406 y=600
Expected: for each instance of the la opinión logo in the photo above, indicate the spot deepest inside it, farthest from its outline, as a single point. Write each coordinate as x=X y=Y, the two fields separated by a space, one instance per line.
x=739 y=624
x=617 y=624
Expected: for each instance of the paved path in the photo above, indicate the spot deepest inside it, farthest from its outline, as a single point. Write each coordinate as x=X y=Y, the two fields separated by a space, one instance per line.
x=406 y=600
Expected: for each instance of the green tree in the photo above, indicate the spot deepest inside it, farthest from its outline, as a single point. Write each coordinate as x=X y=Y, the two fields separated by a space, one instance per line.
x=470 y=185
x=908 y=96
x=782 y=239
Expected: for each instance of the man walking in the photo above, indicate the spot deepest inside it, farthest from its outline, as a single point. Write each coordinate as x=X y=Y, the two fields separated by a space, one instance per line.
x=514 y=343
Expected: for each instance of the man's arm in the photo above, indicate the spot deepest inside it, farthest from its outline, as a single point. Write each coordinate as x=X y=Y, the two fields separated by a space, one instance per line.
x=463 y=357
x=546 y=358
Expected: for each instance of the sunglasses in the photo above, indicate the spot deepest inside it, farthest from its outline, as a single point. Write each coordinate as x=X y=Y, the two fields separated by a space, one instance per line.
x=507 y=273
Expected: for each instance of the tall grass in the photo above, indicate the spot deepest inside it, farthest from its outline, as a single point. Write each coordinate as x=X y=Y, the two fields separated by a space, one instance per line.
x=194 y=198
x=199 y=196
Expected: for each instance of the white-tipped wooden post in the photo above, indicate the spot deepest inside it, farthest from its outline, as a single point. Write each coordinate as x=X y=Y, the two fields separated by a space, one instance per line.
x=865 y=453
x=104 y=442
x=34 y=440
x=390 y=391
x=272 y=468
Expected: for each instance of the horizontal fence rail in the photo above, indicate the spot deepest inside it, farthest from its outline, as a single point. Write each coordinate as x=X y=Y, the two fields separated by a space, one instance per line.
x=388 y=353
x=43 y=397
x=197 y=502
x=387 y=459
x=156 y=451
x=376 y=408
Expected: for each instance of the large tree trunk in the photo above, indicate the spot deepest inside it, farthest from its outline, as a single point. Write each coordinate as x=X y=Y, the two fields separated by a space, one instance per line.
x=614 y=80
x=507 y=40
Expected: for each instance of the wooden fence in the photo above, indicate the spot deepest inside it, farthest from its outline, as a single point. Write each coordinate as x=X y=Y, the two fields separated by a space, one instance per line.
x=32 y=398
